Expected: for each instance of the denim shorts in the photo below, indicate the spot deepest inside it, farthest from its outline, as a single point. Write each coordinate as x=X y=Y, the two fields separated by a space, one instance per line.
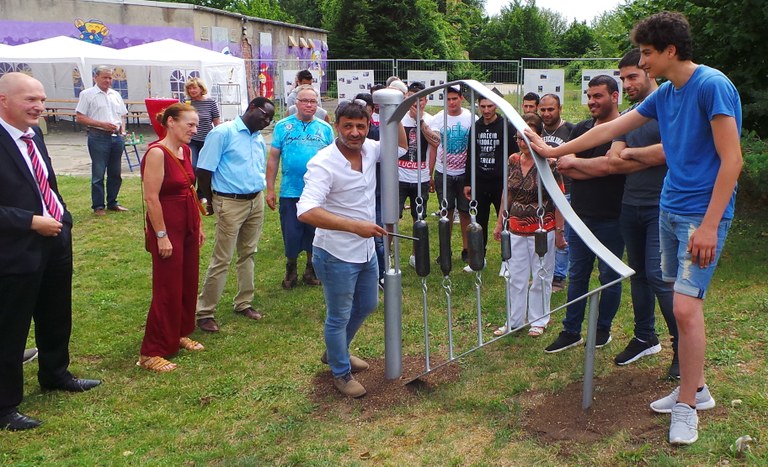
x=676 y=266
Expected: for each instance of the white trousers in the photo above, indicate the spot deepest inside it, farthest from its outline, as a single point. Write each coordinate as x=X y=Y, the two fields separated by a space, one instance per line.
x=524 y=267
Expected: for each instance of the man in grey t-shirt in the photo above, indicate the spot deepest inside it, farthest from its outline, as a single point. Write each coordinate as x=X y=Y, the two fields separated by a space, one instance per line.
x=639 y=155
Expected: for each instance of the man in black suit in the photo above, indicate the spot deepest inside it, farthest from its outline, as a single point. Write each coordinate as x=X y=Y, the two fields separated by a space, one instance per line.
x=35 y=254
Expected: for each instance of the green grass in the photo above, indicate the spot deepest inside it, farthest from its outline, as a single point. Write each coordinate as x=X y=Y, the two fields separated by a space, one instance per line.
x=246 y=400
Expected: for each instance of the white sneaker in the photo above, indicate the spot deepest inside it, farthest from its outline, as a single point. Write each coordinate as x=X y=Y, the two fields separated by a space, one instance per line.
x=469 y=269
x=684 y=427
x=704 y=401
x=412 y=261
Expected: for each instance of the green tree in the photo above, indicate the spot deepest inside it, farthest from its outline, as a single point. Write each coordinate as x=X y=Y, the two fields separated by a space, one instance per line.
x=576 y=41
x=520 y=30
x=306 y=12
x=728 y=35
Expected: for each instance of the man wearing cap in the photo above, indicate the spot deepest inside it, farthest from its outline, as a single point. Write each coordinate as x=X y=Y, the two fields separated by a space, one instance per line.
x=231 y=173
x=102 y=110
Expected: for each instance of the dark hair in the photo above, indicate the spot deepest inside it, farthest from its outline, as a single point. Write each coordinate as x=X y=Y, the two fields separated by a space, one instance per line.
x=606 y=80
x=552 y=96
x=304 y=75
x=377 y=87
x=531 y=96
x=259 y=102
x=364 y=96
x=534 y=121
x=416 y=86
x=665 y=29
x=173 y=111
x=456 y=88
x=352 y=109
x=631 y=58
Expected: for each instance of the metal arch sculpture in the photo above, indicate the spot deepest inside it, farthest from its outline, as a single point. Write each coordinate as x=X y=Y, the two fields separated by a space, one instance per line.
x=392 y=109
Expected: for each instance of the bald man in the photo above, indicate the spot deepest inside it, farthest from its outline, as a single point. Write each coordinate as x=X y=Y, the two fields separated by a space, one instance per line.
x=35 y=254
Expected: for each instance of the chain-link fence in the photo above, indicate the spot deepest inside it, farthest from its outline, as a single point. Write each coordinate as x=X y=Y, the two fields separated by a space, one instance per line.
x=343 y=79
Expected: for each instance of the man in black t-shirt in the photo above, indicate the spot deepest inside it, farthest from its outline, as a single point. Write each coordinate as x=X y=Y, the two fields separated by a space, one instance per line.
x=490 y=158
x=597 y=201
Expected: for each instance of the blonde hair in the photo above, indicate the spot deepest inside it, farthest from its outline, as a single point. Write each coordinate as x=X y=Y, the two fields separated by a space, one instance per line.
x=195 y=82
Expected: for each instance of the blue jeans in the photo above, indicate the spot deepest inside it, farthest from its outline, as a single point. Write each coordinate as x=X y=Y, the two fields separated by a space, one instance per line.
x=640 y=230
x=561 y=256
x=297 y=235
x=379 y=241
x=676 y=263
x=351 y=294
x=195 y=147
x=106 y=153
x=582 y=261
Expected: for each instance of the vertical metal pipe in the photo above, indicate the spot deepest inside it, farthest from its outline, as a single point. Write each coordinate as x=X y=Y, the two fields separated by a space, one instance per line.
x=388 y=100
x=589 y=357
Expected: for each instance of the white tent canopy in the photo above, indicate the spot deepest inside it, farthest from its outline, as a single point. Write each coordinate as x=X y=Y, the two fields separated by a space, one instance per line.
x=156 y=69
x=165 y=65
x=58 y=62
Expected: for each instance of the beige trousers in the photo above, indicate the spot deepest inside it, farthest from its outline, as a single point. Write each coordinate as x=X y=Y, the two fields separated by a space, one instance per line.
x=238 y=226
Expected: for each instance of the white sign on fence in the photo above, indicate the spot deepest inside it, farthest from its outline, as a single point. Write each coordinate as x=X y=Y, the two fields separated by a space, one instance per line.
x=352 y=82
x=429 y=78
x=587 y=75
x=289 y=81
x=545 y=81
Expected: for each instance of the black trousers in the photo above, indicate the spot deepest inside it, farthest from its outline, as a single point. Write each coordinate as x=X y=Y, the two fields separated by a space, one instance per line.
x=46 y=296
x=487 y=193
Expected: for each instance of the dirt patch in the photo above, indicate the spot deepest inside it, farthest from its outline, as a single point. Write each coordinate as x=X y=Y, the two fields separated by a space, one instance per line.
x=382 y=393
x=620 y=403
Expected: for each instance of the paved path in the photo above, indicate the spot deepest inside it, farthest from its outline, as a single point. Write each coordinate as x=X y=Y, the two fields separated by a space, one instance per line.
x=69 y=151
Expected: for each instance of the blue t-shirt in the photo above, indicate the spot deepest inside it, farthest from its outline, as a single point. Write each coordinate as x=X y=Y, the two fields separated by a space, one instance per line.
x=236 y=157
x=298 y=142
x=684 y=117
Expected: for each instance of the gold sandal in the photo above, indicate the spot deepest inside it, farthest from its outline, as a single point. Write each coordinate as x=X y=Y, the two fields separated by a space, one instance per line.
x=188 y=344
x=158 y=364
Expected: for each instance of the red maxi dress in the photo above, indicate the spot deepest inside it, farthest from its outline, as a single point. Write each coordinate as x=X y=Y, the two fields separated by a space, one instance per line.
x=175 y=279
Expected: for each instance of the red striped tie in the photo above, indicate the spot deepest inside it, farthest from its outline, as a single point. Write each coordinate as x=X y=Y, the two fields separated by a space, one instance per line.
x=45 y=189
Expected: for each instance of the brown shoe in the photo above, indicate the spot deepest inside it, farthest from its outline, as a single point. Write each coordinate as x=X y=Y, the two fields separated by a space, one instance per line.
x=207 y=325
x=99 y=212
x=250 y=313
x=309 y=276
x=117 y=208
x=291 y=276
x=355 y=363
x=348 y=386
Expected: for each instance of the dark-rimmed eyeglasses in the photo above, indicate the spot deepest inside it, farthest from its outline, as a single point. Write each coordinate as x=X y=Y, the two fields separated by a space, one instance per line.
x=307 y=101
x=267 y=117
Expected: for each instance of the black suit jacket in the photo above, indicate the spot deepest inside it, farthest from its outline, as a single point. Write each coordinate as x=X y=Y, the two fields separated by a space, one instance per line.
x=21 y=248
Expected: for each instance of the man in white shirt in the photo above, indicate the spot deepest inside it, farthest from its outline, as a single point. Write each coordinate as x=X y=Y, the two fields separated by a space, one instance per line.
x=103 y=111
x=339 y=200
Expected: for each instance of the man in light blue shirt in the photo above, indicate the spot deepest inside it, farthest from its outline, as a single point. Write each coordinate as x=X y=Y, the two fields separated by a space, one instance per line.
x=295 y=140
x=231 y=173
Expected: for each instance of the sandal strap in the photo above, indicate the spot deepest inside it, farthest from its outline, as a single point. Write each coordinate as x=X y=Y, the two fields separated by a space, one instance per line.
x=189 y=344
x=156 y=364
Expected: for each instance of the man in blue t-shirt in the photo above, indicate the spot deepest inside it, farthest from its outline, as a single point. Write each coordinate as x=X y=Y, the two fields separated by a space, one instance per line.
x=296 y=139
x=699 y=115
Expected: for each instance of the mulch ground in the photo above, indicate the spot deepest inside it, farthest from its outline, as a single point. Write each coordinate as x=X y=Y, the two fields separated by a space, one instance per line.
x=620 y=402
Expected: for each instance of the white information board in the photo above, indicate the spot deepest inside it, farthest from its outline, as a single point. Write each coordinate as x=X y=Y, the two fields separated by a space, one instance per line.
x=352 y=82
x=545 y=81
x=430 y=78
x=289 y=81
x=587 y=75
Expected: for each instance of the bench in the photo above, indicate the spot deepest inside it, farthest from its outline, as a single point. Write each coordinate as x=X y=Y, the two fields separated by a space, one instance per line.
x=61 y=109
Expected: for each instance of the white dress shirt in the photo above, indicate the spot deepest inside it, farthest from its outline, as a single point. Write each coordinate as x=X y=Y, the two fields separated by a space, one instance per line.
x=331 y=183
x=102 y=106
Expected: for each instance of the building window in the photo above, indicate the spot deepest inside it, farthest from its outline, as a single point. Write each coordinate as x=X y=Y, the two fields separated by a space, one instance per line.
x=179 y=80
x=13 y=67
x=120 y=82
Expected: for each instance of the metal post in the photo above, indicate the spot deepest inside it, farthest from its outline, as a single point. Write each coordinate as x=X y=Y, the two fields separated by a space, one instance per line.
x=388 y=100
x=589 y=357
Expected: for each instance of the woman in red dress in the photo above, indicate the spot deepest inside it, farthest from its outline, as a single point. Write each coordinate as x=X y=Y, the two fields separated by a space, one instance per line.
x=174 y=236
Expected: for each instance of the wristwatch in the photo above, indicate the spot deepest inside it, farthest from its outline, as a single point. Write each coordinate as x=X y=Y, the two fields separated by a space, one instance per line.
x=161 y=234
